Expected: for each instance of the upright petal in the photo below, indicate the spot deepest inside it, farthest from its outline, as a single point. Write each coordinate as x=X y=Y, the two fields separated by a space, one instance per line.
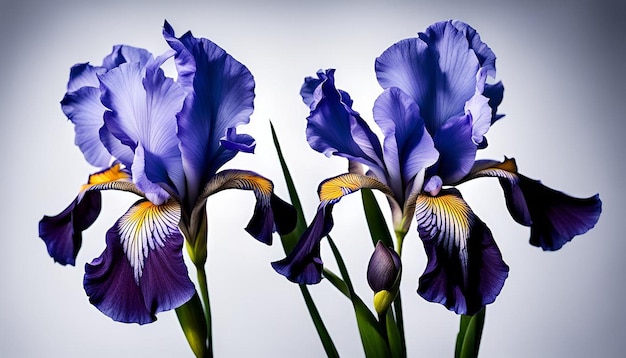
x=334 y=128
x=220 y=96
x=141 y=272
x=457 y=149
x=438 y=70
x=126 y=54
x=554 y=217
x=408 y=148
x=84 y=109
x=465 y=270
x=143 y=105
x=270 y=212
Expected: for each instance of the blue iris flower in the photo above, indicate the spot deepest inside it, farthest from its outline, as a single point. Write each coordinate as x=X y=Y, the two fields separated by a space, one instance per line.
x=434 y=112
x=163 y=139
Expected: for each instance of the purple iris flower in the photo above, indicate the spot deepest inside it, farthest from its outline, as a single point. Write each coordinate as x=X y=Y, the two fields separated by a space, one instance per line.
x=434 y=113
x=163 y=139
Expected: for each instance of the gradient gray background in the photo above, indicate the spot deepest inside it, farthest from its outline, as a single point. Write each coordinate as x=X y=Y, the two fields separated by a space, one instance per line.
x=562 y=64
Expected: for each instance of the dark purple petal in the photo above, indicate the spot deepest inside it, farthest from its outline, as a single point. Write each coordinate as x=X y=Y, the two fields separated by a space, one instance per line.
x=495 y=93
x=465 y=270
x=63 y=233
x=84 y=109
x=238 y=142
x=457 y=150
x=220 y=96
x=141 y=272
x=438 y=69
x=334 y=128
x=383 y=268
x=311 y=91
x=269 y=209
x=304 y=265
x=408 y=148
x=554 y=217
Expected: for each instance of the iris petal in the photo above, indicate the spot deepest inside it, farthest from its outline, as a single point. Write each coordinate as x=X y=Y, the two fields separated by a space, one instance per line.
x=84 y=109
x=269 y=209
x=62 y=233
x=141 y=272
x=554 y=217
x=144 y=104
x=333 y=128
x=457 y=149
x=221 y=94
x=304 y=264
x=438 y=70
x=465 y=270
x=84 y=75
x=408 y=147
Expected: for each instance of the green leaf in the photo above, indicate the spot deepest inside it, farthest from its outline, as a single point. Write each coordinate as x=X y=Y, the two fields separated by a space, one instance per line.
x=290 y=240
x=373 y=340
x=396 y=342
x=375 y=219
x=470 y=334
x=191 y=318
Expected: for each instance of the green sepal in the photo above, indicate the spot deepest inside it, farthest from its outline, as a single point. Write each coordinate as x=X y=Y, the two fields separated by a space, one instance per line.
x=375 y=219
x=470 y=334
x=191 y=318
x=290 y=240
x=372 y=338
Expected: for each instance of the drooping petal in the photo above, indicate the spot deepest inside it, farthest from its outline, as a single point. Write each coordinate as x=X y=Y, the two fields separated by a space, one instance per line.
x=270 y=212
x=438 y=70
x=465 y=270
x=141 y=272
x=84 y=109
x=554 y=218
x=143 y=105
x=220 y=96
x=304 y=264
x=62 y=233
x=333 y=189
x=333 y=128
x=495 y=93
x=457 y=150
x=408 y=148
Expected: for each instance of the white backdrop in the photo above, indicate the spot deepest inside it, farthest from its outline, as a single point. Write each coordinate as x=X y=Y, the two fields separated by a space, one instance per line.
x=562 y=64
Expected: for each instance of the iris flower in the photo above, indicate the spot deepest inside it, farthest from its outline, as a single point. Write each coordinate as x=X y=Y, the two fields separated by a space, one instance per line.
x=163 y=139
x=434 y=112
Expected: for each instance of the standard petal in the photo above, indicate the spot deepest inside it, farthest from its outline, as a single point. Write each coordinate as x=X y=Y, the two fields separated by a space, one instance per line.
x=220 y=96
x=333 y=128
x=554 y=217
x=63 y=233
x=303 y=264
x=438 y=70
x=84 y=109
x=465 y=270
x=126 y=54
x=270 y=212
x=143 y=105
x=84 y=75
x=408 y=148
x=457 y=149
x=141 y=272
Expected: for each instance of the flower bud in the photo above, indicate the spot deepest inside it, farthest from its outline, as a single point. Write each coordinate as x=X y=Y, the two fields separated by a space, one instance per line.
x=383 y=276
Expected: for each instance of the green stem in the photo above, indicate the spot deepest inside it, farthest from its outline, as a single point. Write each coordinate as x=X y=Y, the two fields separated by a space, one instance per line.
x=204 y=293
x=397 y=303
